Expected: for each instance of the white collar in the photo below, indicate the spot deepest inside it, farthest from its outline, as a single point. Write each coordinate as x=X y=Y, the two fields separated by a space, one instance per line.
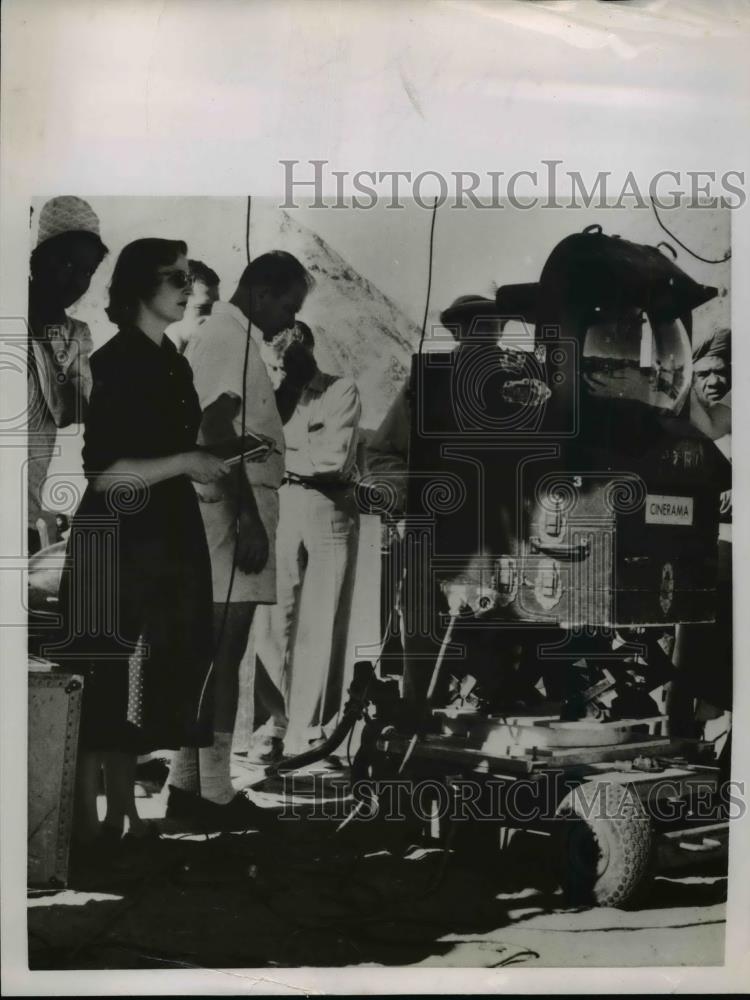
x=230 y=309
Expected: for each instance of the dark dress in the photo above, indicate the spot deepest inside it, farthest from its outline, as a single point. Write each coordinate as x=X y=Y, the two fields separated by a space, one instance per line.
x=136 y=595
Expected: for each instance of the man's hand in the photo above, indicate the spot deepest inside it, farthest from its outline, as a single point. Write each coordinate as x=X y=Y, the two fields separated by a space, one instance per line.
x=203 y=467
x=252 y=543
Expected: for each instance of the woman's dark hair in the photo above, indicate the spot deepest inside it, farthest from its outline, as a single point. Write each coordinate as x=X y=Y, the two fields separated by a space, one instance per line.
x=277 y=270
x=135 y=277
x=56 y=247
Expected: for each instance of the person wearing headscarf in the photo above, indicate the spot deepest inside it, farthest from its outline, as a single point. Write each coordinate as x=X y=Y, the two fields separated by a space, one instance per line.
x=710 y=403
x=69 y=249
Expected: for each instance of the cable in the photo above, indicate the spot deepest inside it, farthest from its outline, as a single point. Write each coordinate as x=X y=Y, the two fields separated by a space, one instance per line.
x=705 y=260
x=429 y=275
x=240 y=469
x=247 y=228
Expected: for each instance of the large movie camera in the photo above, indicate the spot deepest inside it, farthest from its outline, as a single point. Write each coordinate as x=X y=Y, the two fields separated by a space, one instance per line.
x=559 y=496
x=559 y=479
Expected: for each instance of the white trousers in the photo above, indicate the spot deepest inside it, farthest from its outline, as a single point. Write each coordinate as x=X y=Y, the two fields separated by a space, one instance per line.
x=301 y=640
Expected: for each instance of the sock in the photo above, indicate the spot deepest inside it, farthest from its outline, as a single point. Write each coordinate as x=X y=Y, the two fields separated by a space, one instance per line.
x=215 y=782
x=183 y=771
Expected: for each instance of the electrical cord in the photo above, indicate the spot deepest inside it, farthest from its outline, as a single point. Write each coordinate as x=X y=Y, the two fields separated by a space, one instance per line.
x=247 y=229
x=705 y=260
x=240 y=467
x=241 y=485
x=429 y=275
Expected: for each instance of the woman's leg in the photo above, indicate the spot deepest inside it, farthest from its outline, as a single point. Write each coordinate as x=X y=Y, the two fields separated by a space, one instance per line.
x=119 y=780
x=86 y=825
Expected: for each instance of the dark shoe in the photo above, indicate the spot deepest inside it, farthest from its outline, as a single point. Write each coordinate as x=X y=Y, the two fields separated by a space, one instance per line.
x=138 y=856
x=94 y=858
x=92 y=852
x=240 y=813
x=181 y=804
x=152 y=774
x=266 y=751
x=142 y=843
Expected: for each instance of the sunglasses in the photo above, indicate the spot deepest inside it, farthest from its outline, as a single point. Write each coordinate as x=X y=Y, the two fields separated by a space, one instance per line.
x=178 y=279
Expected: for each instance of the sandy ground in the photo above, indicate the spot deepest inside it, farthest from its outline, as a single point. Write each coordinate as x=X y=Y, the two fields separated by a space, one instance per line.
x=294 y=892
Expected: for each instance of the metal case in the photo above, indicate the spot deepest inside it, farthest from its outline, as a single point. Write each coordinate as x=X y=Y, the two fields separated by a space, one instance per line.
x=54 y=717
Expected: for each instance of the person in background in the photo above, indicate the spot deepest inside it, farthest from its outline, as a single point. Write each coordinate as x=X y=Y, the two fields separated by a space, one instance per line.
x=315 y=548
x=202 y=298
x=710 y=400
x=137 y=594
x=388 y=448
x=475 y=324
x=69 y=249
x=703 y=653
x=237 y=397
x=290 y=363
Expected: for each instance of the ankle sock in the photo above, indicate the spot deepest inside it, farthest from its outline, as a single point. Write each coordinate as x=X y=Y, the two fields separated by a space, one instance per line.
x=215 y=763
x=183 y=771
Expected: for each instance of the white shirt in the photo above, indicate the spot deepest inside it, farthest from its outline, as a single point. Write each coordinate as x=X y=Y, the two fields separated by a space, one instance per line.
x=322 y=433
x=59 y=385
x=216 y=354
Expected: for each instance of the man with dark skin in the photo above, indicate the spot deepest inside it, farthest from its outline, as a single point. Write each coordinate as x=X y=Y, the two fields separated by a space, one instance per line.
x=698 y=645
x=240 y=516
x=712 y=373
x=68 y=252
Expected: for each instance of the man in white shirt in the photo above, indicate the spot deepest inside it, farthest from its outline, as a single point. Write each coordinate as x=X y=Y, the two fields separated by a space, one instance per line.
x=240 y=516
x=300 y=640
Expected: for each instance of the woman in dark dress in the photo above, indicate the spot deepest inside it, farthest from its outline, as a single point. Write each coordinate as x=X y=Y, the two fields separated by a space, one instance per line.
x=138 y=588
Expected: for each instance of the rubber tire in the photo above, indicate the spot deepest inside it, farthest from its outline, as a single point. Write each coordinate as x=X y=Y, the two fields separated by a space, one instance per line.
x=603 y=859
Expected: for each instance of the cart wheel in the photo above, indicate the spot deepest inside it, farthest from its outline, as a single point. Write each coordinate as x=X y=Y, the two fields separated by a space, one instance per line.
x=605 y=844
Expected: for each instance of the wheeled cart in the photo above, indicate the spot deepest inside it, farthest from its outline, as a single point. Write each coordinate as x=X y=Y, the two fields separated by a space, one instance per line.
x=613 y=812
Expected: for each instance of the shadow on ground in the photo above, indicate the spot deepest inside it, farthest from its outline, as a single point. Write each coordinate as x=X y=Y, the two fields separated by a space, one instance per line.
x=298 y=893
